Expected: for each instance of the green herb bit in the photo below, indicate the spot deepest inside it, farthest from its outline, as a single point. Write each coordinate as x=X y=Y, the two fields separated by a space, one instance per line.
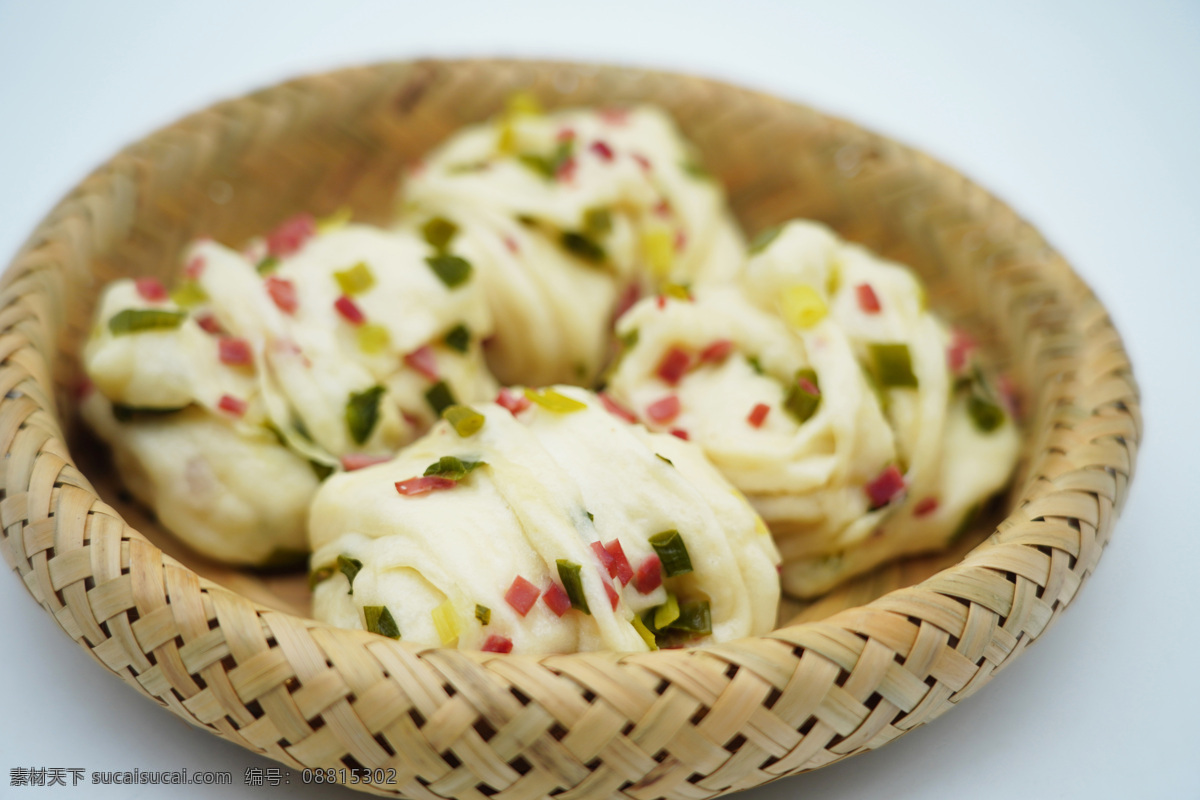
x=583 y=246
x=124 y=413
x=320 y=575
x=458 y=338
x=483 y=614
x=893 y=365
x=267 y=265
x=362 y=413
x=452 y=467
x=548 y=166
x=696 y=170
x=694 y=617
x=597 y=221
x=380 y=620
x=672 y=552
x=667 y=613
x=355 y=280
x=756 y=365
x=349 y=567
x=322 y=471
x=628 y=340
x=137 y=320
x=986 y=415
x=644 y=632
x=439 y=397
x=451 y=270
x=188 y=294
x=764 y=239
x=465 y=420
x=568 y=573
x=664 y=459
x=554 y=401
x=800 y=402
x=591 y=517
x=439 y=232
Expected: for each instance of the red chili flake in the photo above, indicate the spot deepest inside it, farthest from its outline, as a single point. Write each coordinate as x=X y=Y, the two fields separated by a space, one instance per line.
x=663 y=410
x=624 y=570
x=497 y=644
x=512 y=245
x=522 y=595
x=642 y=161
x=84 y=388
x=925 y=507
x=291 y=235
x=565 y=135
x=606 y=559
x=151 y=289
x=661 y=302
x=674 y=365
x=868 y=301
x=349 y=310
x=353 y=461
x=961 y=345
x=602 y=149
x=889 y=484
x=680 y=433
x=808 y=386
x=208 y=323
x=283 y=292
x=649 y=575
x=614 y=116
x=413 y=422
x=616 y=409
x=232 y=405
x=566 y=171
x=717 y=351
x=628 y=298
x=514 y=402
x=613 y=597
x=423 y=361
x=758 y=415
x=194 y=268
x=235 y=352
x=424 y=485
x=663 y=209
x=680 y=240
x=556 y=598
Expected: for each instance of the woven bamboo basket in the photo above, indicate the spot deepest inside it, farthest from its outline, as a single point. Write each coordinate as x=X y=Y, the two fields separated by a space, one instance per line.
x=235 y=653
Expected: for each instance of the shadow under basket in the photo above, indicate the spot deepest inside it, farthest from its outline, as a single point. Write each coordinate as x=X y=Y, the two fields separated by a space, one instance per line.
x=233 y=652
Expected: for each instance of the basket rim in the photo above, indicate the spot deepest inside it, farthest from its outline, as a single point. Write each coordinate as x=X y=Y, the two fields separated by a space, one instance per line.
x=958 y=627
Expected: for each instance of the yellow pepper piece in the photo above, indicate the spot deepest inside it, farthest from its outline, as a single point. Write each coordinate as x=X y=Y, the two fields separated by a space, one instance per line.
x=373 y=338
x=355 y=280
x=337 y=219
x=658 y=248
x=553 y=401
x=445 y=621
x=667 y=613
x=802 y=306
x=644 y=632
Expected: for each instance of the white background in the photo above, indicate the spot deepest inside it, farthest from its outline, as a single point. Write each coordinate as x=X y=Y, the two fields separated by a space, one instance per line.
x=1084 y=116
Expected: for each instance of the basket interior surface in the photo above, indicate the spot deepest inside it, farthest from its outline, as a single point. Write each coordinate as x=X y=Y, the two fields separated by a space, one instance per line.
x=865 y=667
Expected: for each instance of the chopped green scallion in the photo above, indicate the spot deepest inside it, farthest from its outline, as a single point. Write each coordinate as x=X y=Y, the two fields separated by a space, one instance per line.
x=124 y=413
x=483 y=614
x=322 y=471
x=451 y=270
x=439 y=397
x=362 y=413
x=452 y=467
x=892 y=365
x=667 y=613
x=380 y=620
x=349 y=567
x=267 y=265
x=597 y=221
x=188 y=294
x=554 y=401
x=583 y=246
x=439 y=232
x=755 y=364
x=801 y=402
x=465 y=420
x=136 y=320
x=672 y=552
x=572 y=581
x=696 y=170
x=664 y=459
x=694 y=617
x=986 y=415
x=458 y=338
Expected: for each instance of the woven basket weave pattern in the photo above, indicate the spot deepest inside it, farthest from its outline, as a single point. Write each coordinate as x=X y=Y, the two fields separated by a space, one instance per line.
x=674 y=724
